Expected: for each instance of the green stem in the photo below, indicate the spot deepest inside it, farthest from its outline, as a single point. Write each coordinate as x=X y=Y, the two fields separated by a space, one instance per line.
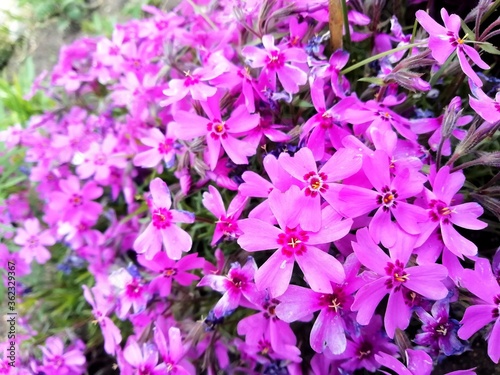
x=379 y=56
x=346 y=25
x=490 y=11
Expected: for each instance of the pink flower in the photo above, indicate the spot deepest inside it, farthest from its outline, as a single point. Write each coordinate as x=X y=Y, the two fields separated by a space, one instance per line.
x=169 y=270
x=237 y=287
x=33 y=241
x=100 y=158
x=227 y=221
x=274 y=60
x=486 y=107
x=443 y=214
x=161 y=147
x=173 y=352
x=74 y=203
x=294 y=244
x=132 y=292
x=162 y=228
x=219 y=133
x=443 y=41
x=58 y=362
x=391 y=277
x=145 y=359
x=482 y=283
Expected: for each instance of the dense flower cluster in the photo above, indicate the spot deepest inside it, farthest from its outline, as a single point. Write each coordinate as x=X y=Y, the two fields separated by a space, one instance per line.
x=246 y=207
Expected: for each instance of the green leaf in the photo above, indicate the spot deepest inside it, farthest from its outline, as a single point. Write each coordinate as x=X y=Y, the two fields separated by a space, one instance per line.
x=488 y=47
x=374 y=80
x=470 y=34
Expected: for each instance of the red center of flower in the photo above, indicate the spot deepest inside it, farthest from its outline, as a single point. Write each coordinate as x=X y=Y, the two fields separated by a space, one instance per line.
x=161 y=218
x=439 y=211
x=397 y=273
x=169 y=272
x=227 y=225
x=326 y=121
x=365 y=350
x=134 y=289
x=387 y=198
x=270 y=307
x=316 y=183
x=190 y=80
x=293 y=241
x=275 y=60
x=217 y=129
x=76 y=200
x=166 y=146
x=384 y=115
x=334 y=302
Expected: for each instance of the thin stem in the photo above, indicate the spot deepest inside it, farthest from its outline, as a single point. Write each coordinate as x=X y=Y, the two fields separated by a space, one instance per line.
x=346 y=24
x=488 y=29
x=492 y=34
x=439 y=152
x=379 y=56
x=490 y=11
x=197 y=10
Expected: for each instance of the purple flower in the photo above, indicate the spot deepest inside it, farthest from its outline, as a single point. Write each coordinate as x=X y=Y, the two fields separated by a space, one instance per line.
x=58 y=362
x=237 y=286
x=443 y=41
x=161 y=148
x=393 y=277
x=132 y=292
x=145 y=359
x=486 y=107
x=482 y=283
x=33 y=241
x=162 y=228
x=439 y=331
x=274 y=60
x=173 y=351
x=294 y=244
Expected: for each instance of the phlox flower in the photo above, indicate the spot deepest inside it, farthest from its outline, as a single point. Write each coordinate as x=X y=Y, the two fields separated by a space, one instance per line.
x=238 y=287
x=132 y=292
x=482 y=283
x=144 y=359
x=393 y=277
x=173 y=351
x=169 y=270
x=328 y=331
x=218 y=133
x=444 y=214
x=161 y=148
x=227 y=221
x=294 y=244
x=331 y=71
x=101 y=307
x=443 y=41
x=33 y=241
x=439 y=331
x=486 y=107
x=74 y=203
x=389 y=199
x=274 y=60
x=6 y=257
x=57 y=361
x=162 y=228
x=317 y=184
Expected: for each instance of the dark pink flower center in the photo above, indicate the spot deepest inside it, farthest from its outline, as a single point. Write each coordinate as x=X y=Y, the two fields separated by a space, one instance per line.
x=227 y=225
x=190 y=80
x=270 y=307
x=388 y=198
x=100 y=159
x=134 y=289
x=496 y=310
x=275 y=60
x=166 y=146
x=439 y=211
x=217 y=129
x=496 y=105
x=365 y=350
x=326 y=121
x=162 y=218
x=169 y=272
x=293 y=241
x=33 y=242
x=265 y=347
x=316 y=183
x=454 y=40
x=58 y=361
x=76 y=200
x=384 y=115
x=334 y=301
x=397 y=273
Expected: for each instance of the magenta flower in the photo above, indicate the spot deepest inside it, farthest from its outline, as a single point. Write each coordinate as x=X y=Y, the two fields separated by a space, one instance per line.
x=443 y=41
x=482 y=283
x=132 y=292
x=328 y=331
x=173 y=352
x=33 y=241
x=274 y=60
x=162 y=228
x=219 y=133
x=145 y=359
x=317 y=184
x=294 y=244
x=389 y=199
x=100 y=158
x=392 y=277
x=101 y=307
x=169 y=270
x=237 y=286
x=486 y=107
x=74 y=203
x=58 y=362
x=161 y=148
x=227 y=221
x=444 y=187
